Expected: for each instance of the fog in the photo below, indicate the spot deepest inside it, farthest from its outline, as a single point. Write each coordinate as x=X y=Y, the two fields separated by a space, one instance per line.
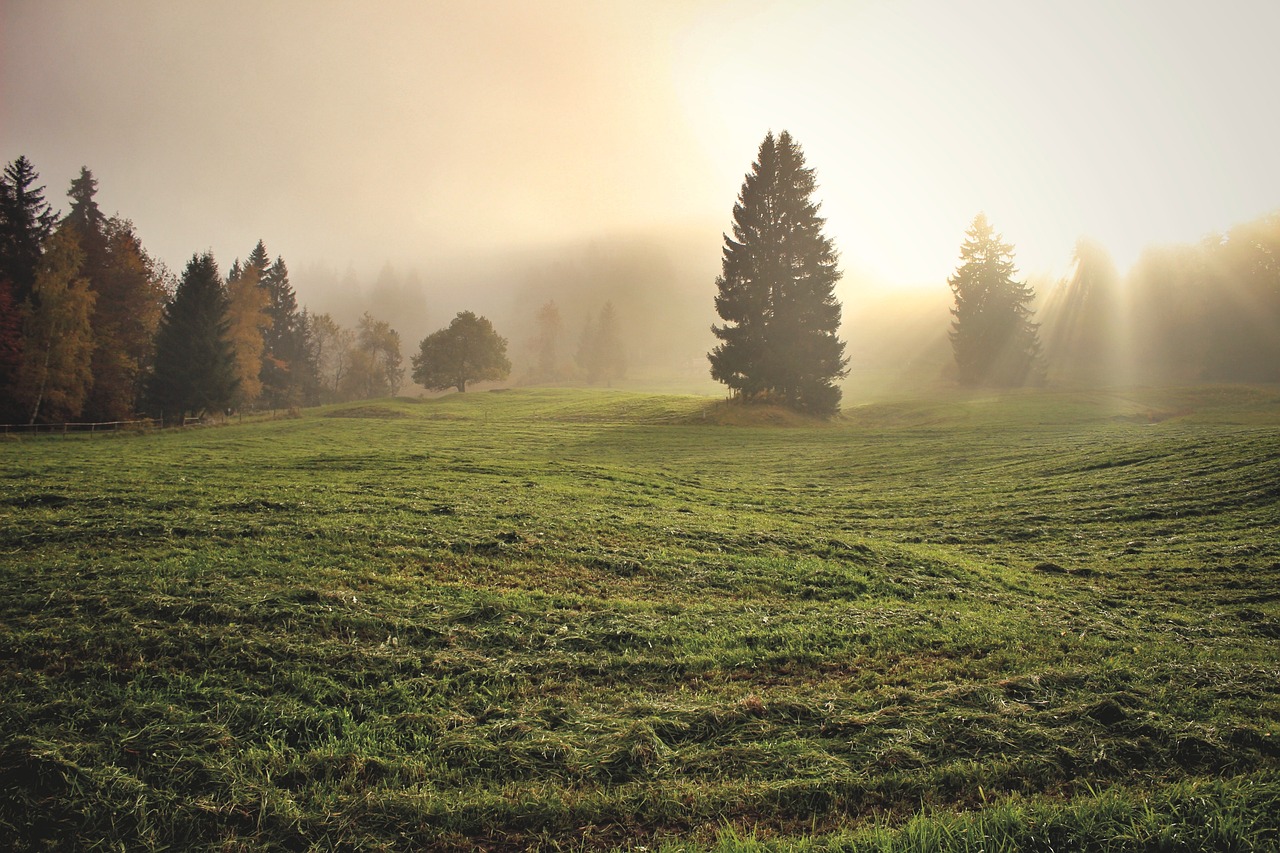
x=415 y=159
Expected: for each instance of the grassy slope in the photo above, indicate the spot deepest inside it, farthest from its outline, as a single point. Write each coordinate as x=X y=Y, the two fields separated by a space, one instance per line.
x=561 y=617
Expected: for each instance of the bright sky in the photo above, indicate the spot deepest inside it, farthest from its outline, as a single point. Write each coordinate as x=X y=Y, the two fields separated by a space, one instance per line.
x=358 y=132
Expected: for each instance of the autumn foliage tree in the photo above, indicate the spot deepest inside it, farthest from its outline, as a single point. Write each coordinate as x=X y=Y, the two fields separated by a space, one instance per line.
x=374 y=363
x=53 y=375
x=247 y=318
x=776 y=291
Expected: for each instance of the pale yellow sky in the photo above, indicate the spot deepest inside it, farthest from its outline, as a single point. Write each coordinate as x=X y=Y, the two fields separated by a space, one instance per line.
x=345 y=132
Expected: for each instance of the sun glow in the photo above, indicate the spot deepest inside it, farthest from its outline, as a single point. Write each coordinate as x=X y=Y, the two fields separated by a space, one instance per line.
x=1057 y=120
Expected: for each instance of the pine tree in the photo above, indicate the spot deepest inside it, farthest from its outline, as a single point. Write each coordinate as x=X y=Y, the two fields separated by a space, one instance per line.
x=26 y=222
x=10 y=351
x=53 y=374
x=776 y=291
x=195 y=369
x=87 y=221
x=992 y=337
x=285 y=365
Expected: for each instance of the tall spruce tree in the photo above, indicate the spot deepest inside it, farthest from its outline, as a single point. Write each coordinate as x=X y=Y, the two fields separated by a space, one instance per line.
x=285 y=366
x=26 y=222
x=992 y=337
x=777 y=290
x=87 y=221
x=195 y=368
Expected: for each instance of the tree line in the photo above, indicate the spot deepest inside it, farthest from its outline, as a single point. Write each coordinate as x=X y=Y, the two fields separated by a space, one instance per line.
x=1206 y=312
x=92 y=328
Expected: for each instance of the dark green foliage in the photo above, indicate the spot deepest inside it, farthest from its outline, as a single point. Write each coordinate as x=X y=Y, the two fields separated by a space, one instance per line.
x=993 y=338
x=561 y=619
x=87 y=220
x=195 y=364
x=286 y=369
x=26 y=221
x=10 y=352
x=469 y=350
x=776 y=290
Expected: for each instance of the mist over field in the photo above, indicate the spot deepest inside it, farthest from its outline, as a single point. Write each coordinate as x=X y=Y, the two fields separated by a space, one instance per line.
x=670 y=425
x=413 y=160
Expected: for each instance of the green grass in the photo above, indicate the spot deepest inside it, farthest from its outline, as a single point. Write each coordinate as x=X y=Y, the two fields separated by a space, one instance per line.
x=577 y=620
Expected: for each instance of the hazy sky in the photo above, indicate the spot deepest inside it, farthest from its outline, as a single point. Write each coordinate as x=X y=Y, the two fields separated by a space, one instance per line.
x=363 y=132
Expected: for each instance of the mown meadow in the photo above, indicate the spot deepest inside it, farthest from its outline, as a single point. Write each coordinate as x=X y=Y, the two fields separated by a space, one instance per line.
x=593 y=620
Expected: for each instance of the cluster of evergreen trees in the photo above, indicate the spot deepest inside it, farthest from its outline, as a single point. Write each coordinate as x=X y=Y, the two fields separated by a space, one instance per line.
x=93 y=329
x=80 y=300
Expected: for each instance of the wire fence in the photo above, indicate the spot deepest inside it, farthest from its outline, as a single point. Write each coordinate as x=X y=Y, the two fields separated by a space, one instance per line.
x=89 y=428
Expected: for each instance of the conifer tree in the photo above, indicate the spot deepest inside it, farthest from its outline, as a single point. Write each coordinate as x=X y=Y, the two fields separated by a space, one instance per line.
x=10 y=351
x=992 y=337
x=285 y=367
x=776 y=291
x=26 y=222
x=195 y=368
x=53 y=374
x=87 y=221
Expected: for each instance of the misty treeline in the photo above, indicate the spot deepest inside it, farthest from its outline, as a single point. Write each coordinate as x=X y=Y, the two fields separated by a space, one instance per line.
x=1185 y=313
x=93 y=328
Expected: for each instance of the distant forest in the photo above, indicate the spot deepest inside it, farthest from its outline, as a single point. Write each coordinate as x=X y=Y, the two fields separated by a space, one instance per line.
x=1203 y=312
x=93 y=329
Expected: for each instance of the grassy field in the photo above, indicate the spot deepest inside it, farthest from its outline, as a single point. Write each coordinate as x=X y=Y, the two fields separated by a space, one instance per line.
x=576 y=620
